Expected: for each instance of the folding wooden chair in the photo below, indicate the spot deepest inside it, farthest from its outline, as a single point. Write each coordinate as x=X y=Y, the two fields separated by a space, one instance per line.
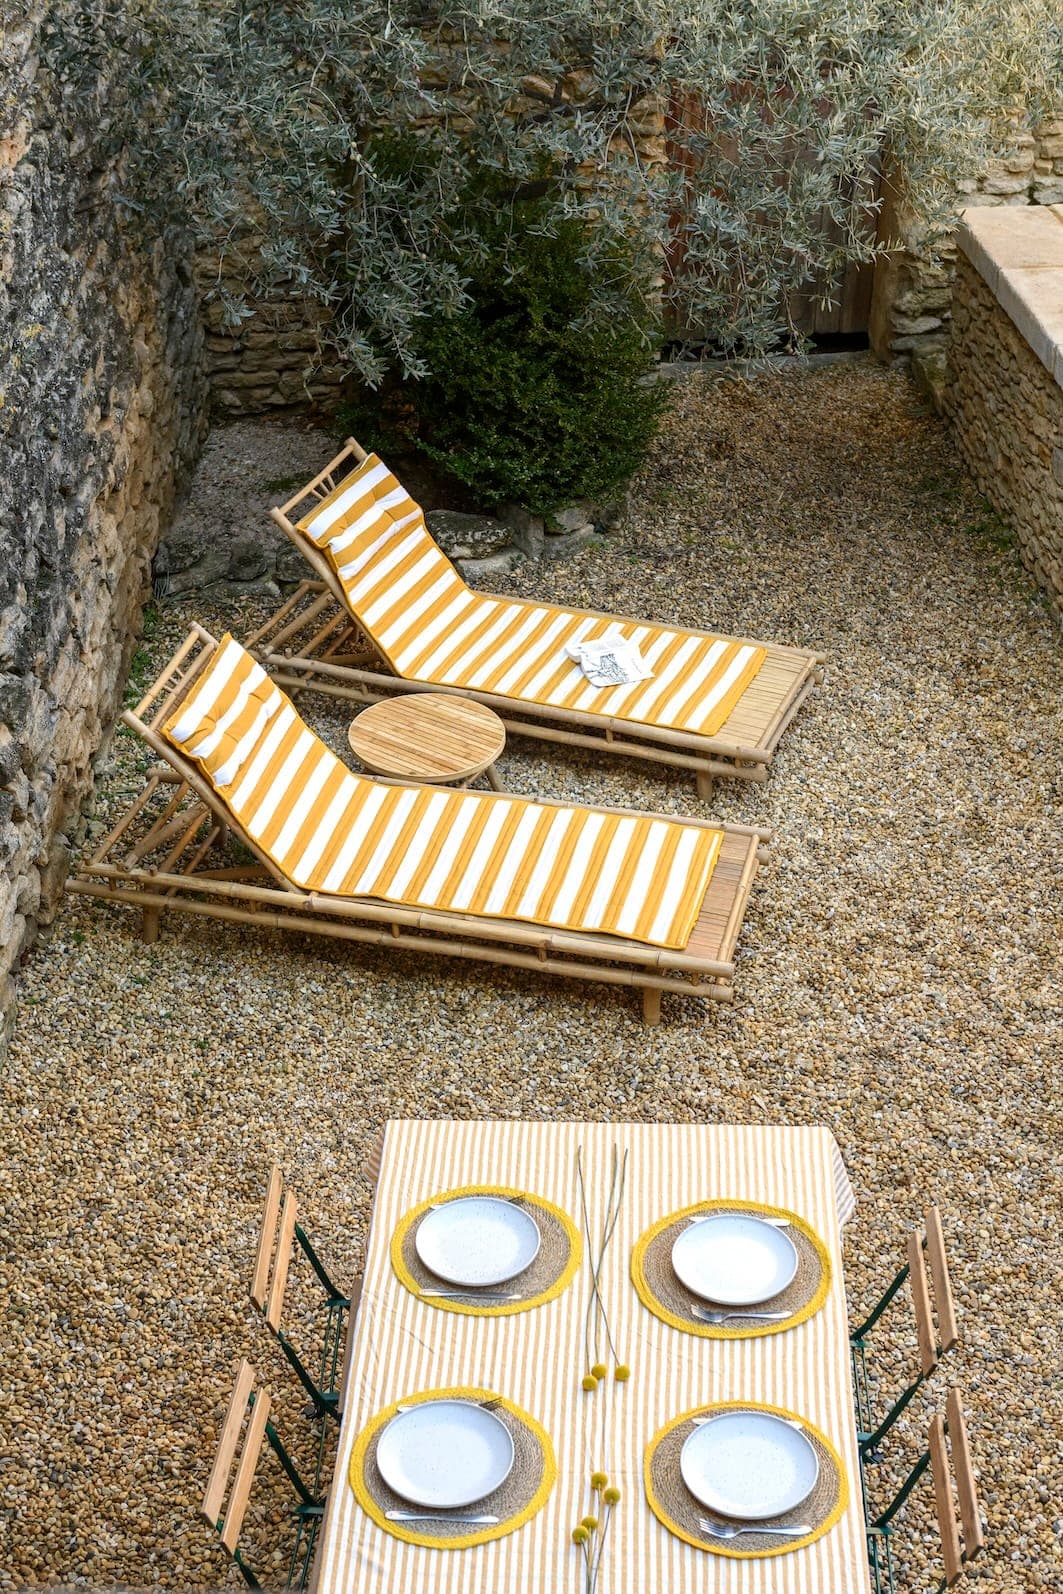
x=272 y=1265
x=248 y=1414
x=958 y=1548
x=924 y=1245
x=372 y=1167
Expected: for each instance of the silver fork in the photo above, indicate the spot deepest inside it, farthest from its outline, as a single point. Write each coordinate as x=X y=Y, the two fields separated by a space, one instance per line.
x=439 y=1516
x=727 y=1317
x=726 y=1530
x=469 y=1295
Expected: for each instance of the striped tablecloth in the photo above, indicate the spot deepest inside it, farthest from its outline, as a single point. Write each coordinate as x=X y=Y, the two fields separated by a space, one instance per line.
x=537 y=1360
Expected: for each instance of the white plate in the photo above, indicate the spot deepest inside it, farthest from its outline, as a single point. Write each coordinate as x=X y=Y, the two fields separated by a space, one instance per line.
x=444 y=1453
x=477 y=1240
x=735 y=1260
x=749 y=1464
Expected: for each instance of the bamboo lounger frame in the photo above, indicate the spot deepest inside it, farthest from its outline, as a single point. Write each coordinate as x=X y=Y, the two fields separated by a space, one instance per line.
x=313 y=641
x=166 y=852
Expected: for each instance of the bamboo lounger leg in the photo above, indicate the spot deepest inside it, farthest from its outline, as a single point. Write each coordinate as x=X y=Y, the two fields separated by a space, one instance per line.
x=651 y=1005
x=149 y=925
x=705 y=785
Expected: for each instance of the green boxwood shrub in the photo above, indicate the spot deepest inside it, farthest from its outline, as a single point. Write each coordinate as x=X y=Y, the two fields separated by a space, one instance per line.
x=529 y=399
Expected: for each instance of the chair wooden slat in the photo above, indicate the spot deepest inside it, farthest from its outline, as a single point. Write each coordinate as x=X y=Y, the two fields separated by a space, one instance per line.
x=924 y=1323
x=970 y=1516
x=375 y=1157
x=348 y=1345
x=265 y=1239
x=245 y=1472
x=275 y=1304
x=946 y=1518
x=230 y=1432
x=939 y=1273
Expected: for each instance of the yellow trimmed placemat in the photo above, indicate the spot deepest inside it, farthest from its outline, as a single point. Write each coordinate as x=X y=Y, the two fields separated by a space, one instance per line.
x=664 y=1294
x=673 y=1504
x=524 y=1492
x=547 y=1277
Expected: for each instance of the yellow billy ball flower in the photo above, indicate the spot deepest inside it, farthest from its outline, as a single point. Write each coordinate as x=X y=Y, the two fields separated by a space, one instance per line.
x=623 y=1373
x=599 y=1369
x=590 y=1523
x=580 y=1535
x=590 y=1382
x=598 y=1480
x=611 y=1496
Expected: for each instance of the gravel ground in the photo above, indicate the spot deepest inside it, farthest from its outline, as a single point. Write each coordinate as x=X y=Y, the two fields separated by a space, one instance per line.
x=898 y=980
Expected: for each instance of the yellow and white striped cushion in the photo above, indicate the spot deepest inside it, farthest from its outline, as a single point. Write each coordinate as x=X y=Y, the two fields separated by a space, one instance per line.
x=482 y=853
x=432 y=628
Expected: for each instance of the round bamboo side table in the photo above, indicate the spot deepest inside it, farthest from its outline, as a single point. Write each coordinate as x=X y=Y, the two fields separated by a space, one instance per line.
x=430 y=738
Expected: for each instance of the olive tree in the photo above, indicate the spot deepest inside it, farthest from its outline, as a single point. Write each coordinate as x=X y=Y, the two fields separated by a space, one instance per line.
x=336 y=150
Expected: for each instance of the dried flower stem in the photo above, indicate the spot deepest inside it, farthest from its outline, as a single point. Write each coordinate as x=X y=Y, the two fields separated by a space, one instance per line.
x=596 y=1306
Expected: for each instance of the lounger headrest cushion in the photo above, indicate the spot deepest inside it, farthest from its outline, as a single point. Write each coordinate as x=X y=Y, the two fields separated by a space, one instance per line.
x=369 y=499
x=221 y=721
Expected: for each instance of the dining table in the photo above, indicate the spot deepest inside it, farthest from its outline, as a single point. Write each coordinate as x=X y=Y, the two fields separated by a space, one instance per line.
x=610 y=1200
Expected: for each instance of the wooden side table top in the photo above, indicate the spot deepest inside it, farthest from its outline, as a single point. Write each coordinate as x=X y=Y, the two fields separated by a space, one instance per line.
x=428 y=736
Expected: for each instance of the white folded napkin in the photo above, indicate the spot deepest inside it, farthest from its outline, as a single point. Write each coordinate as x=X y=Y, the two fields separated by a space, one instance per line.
x=610 y=660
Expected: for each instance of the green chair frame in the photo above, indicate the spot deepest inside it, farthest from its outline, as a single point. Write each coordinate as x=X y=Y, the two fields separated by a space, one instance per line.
x=956 y=1552
x=267 y=1293
x=227 y=1520
x=924 y=1245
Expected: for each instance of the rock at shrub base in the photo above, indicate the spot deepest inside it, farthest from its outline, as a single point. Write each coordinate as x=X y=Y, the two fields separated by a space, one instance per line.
x=468 y=536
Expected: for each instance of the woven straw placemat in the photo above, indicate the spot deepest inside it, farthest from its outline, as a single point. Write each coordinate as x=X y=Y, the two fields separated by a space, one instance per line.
x=661 y=1291
x=514 y=1502
x=552 y=1271
x=674 y=1505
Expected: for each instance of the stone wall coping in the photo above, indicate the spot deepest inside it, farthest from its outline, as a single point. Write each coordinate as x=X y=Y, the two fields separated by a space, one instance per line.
x=1019 y=255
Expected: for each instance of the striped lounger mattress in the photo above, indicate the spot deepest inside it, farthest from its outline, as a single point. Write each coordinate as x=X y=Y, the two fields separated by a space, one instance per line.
x=432 y=628
x=331 y=831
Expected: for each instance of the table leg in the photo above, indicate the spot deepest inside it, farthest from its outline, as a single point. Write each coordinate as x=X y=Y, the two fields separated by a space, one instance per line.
x=492 y=778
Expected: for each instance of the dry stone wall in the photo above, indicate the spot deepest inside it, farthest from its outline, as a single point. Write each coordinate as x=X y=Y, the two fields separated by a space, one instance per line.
x=1005 y=392
x=272 y=362
x=275 y=359
x=102 y=410
x=912 y=311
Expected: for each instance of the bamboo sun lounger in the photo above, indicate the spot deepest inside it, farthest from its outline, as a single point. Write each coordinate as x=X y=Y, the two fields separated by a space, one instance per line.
x=389 y=612
x=603 y=894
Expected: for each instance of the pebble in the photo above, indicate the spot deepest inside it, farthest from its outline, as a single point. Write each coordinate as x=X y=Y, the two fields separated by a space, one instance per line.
x=898 y=980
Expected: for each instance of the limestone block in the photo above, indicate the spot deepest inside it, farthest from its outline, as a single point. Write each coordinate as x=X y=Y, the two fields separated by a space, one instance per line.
x=495 y=568
x=468 y=536
x=915 y=325
x=565 y=544
x=248 y=560
x=924 y=299
x=290 y=566
x=1005 y=183
x=527 y=531
x=1034 y=301
x=926 y=343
